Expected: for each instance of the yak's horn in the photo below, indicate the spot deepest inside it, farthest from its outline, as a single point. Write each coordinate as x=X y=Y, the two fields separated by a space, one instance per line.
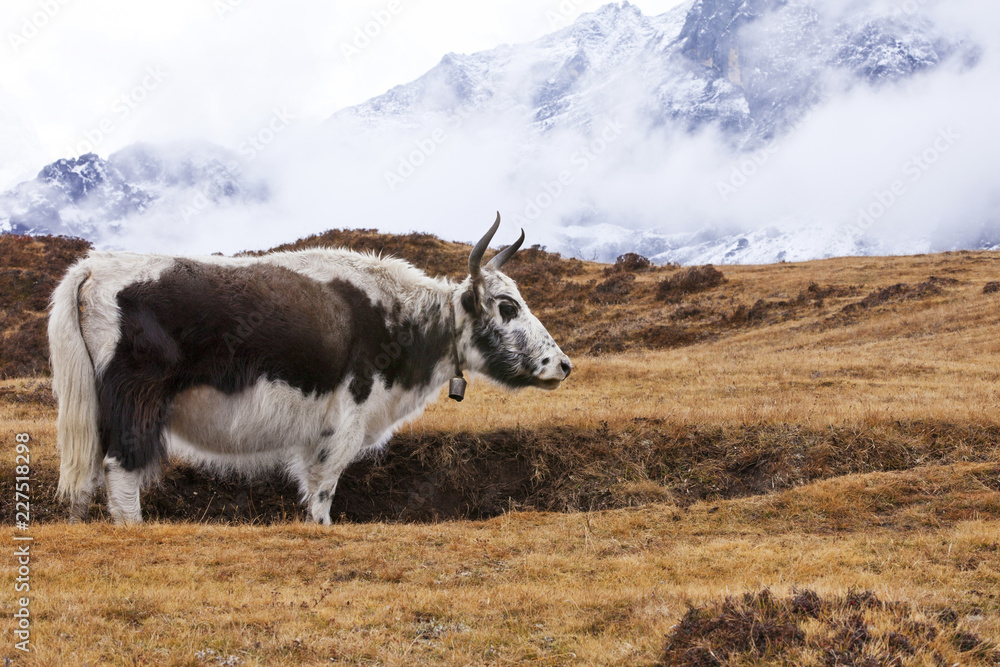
x=501 y=257
x=476 y=257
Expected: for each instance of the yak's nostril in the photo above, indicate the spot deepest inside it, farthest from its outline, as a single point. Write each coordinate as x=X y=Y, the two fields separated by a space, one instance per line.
x=566 y=368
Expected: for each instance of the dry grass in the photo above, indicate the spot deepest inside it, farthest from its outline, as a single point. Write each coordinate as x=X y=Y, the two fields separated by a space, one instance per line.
x=827 y=427
x=599 y=588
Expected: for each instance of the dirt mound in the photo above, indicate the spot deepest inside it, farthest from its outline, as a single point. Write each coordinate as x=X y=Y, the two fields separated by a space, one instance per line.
x=857 y=628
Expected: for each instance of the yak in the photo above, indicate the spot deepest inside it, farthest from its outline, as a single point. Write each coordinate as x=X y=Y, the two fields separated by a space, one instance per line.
x=299 y=360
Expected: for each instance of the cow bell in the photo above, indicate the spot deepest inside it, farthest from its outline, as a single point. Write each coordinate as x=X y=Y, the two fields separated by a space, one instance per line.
x=456 y=389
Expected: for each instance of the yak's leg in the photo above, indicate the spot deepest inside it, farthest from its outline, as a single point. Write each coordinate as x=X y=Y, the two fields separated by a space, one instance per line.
x=123 y=492
x=320 y=502
x=333 y=453
x=79 y=507
x=79 y=504
x=131 y=428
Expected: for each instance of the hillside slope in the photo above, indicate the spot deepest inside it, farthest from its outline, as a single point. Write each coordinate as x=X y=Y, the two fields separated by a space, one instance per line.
x=591 y=309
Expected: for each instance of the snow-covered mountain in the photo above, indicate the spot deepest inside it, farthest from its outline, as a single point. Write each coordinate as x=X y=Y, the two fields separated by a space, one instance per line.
x=744 y=73
x=782 y=242
x=750 y=67
x=93 y=198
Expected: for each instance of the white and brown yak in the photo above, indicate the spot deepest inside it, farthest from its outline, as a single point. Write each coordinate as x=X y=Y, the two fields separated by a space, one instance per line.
x=296 y=360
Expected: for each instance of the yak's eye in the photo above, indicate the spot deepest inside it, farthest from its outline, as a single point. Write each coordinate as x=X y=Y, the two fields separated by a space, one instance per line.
x=508 y=311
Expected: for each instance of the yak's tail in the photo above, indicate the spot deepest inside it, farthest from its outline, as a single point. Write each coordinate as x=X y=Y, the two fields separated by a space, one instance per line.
x=74 y=386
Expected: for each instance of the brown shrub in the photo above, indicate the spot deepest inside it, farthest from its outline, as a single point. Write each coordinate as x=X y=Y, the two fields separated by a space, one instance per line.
x=991 y=287
x=686 y=312
x=50 y=254
x=817 y=293
x=426 y=251
x=615 y=289
x=26 y=350
x=24 y=288
x=630 y=262
x=756 y=626
x=743 y=315
x=433 y=475
x=551 y=262
x=900 y=292
x=30 y=268
x=855 y=629
x=686 y=281
x=666 y=336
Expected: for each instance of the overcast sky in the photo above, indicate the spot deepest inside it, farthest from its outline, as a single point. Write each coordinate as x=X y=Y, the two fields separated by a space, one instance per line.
x=213 y=69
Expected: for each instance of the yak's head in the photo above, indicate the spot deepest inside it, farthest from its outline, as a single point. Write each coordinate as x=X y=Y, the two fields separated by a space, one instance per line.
x=507 y=343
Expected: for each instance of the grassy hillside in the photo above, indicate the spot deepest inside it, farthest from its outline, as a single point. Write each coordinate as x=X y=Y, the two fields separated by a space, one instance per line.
x=792 y=463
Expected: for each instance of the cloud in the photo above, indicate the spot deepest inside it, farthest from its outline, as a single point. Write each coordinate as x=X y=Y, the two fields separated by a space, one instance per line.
x=906 y=159
x=230 y=61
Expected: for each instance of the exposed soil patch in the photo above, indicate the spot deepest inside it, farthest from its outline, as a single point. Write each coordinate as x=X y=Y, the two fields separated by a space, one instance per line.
x=441 y=476
x=857 y=628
